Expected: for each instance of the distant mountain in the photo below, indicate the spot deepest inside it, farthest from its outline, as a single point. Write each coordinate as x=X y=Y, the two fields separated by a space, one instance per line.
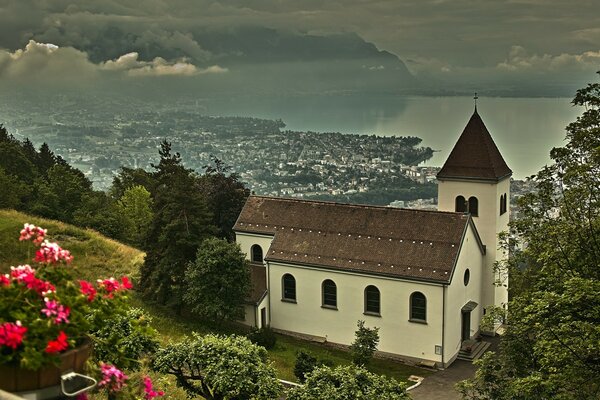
x=264 y=60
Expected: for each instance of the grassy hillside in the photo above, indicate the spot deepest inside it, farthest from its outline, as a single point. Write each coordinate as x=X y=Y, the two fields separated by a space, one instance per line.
x=95 y=256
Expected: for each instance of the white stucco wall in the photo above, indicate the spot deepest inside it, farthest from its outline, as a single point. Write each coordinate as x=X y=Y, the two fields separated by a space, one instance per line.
x=457 y=295
x=489 y=224
x=397 y=334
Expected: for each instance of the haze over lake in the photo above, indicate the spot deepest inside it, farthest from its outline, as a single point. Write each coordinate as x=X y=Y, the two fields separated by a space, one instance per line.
x=524 y=129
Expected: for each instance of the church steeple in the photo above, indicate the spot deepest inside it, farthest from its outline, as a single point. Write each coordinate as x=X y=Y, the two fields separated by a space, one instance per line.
x=475 y=155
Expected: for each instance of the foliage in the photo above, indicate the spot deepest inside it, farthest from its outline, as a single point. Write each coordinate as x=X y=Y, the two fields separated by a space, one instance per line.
x=181 y=222
x=347 y=382
x=125 y=339
x=136 y=206
x=44 y=310
x=264 y=337
x=219 y=367
x=365 y=343
x=218 y=281
x=552 y=345
x=225 y=195
x=305 y=364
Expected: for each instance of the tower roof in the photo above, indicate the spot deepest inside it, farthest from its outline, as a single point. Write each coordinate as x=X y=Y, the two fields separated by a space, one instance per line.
x=475 y=155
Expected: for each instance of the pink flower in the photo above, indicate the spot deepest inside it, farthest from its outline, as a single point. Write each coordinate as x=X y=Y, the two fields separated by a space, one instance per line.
x=30 y=230
x=26 y=275
x=87 y=289
x=5 y=280
x=11 y=334
x=150 y=393
x=53 y=308
x=112 y=377
x=58 y=345
x=51 y=253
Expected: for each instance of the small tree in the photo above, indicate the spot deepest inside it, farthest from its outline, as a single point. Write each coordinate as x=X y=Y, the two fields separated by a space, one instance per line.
x=348 y=382
x=220 y=367
x=305 y=364
x=365 y=344
x=218 y=282
x=136 y=205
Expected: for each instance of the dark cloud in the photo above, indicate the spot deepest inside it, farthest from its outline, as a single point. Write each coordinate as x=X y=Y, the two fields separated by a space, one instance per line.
x=446 y=41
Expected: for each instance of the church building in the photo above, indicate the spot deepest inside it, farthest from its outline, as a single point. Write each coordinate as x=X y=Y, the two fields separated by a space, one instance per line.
x=423 y=277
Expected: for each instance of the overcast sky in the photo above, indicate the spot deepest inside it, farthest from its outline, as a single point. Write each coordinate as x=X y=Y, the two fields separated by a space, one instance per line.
x=447 y=40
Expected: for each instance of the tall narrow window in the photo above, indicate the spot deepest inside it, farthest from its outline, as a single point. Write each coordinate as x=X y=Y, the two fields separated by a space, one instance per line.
x=460 y=204
x=257 y=254
x=329 y=294
x=289 y=287
x=418 y=307
x=474 y=206
x=503 y=204
x=372 y=300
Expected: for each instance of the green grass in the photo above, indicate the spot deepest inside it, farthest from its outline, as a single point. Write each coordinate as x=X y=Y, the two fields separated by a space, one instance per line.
x=96 y=256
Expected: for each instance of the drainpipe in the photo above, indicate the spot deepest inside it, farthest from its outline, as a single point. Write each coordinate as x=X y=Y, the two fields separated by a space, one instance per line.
x=269 y=292
x=443 y=323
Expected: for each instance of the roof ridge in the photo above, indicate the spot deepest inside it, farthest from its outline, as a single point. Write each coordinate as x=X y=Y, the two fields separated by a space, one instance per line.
x=335 y=203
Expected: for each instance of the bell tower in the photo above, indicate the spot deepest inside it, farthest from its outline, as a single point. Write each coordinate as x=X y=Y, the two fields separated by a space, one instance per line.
x=476 y=180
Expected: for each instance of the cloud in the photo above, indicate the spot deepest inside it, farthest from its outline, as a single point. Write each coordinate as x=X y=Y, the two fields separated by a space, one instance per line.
x=48 y=63
x=45 y=62
x=519 y=59
x=158 y=67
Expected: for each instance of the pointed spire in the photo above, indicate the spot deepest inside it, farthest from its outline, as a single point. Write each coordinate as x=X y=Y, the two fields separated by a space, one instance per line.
x=475 y=155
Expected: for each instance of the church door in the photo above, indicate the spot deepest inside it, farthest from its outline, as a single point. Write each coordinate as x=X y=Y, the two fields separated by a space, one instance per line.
x=466 y=325
x=263 y=317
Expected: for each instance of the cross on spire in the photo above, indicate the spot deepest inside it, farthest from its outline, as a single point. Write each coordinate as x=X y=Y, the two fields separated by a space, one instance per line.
x=475 y=98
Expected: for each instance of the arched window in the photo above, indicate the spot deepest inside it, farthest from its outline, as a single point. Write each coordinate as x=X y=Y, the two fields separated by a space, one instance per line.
x=503 y=204
x=418 y=307
x=329 y=294
x=474 y=206
x=460 y=204
x=372 y=300
x=257 y=254
x=289 y=287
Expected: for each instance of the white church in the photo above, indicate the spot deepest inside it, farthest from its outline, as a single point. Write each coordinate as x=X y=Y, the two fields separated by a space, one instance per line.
x=424 y=278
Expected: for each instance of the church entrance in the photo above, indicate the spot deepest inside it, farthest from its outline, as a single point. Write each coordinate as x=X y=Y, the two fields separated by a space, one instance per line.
x=466 y=325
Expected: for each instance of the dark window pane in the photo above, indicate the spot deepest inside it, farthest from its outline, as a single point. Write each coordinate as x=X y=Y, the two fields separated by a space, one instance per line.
x=460 y=204
x=257 y=254
x=418 y=306
x=289 y=287
x=474 y=206
x=372 y=300
x=329 y=293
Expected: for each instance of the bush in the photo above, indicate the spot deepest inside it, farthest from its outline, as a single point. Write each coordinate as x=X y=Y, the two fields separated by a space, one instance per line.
x=264 y=337
x=365 y=344
x=305 y=364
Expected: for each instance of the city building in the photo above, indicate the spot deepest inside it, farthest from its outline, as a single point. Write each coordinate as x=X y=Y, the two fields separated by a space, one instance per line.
x=423 y=277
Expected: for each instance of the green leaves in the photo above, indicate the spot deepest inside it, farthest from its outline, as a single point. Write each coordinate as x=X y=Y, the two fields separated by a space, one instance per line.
x=220 y=367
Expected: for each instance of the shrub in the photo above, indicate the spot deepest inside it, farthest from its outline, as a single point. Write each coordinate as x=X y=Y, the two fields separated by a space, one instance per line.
x=264 y=337
x=305 y=364
x=365 y=344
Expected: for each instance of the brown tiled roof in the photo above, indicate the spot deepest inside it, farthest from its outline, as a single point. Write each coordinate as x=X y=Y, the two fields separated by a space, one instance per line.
x=475 y=155
x=412 y=244
x=258 y=280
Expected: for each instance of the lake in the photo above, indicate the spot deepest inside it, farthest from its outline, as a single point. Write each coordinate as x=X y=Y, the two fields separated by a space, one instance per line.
x=524 y=129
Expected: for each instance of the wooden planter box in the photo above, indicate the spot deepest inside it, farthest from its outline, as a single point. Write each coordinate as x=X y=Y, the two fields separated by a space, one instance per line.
x=14 y=379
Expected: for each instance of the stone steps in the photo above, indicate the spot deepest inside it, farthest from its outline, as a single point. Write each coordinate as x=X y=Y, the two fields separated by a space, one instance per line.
x=472 y=350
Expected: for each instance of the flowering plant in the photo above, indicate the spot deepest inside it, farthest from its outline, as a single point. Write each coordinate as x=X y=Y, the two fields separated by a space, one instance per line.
x=44 y=311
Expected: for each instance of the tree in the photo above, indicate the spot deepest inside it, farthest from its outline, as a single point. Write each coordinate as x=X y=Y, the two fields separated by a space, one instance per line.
x=348 y=382
x=218 y=281
x=136 y=206
x=181 y=222
x=551 y=348
x=100 y=212
x=305 y=364
x=365 y=344
x=225 y=195
x=219 y=367
x=129 y=177
x=14 y=191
